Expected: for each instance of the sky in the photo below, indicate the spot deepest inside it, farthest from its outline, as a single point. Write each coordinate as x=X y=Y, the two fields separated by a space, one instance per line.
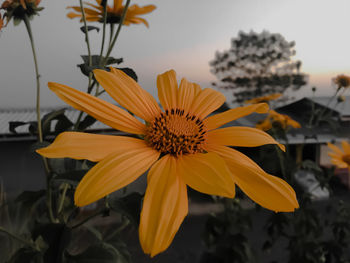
x=183 y=35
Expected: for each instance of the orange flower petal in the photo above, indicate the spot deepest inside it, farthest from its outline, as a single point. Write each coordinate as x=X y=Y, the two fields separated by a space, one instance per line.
x=241 y=137
x=220 y=119
x=207 y=173
x=113 y=173
x=167 y=89
x=93 y=147
x=143 y=10
x=268 y=191
x=128 y=93
x=339 y=163
x=117 y=5
x=207 y=101
x=105 y=112
x=186 y=95
x=346 y=147
x=73 y=15
x=164 y=207
x=336 y=149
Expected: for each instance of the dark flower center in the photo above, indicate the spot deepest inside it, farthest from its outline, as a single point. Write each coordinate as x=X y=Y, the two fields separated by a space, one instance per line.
x=176 y=132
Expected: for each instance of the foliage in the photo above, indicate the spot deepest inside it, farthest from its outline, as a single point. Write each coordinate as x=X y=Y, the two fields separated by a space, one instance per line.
x=257 y=64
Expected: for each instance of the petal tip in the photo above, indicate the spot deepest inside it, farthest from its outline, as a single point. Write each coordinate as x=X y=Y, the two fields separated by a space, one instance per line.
x=282 y=147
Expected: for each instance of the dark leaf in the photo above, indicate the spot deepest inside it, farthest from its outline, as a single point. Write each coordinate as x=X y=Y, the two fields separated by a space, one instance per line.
x=89 y=28
x=57 y=236
x=33 y=127
x=96 y=63
x=94 y=254
x=86 y=122
x=29 y=198
x=14 y=124
x=130 y=72
x=63 y=124
x=112 y=60
x=25 y=254
x=47 y=118
x=129 y=205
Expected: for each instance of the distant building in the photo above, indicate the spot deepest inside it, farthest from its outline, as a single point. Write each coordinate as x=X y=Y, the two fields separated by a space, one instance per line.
x=20 y=167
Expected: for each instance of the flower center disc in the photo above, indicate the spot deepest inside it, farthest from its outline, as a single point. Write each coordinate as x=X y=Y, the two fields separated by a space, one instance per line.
x=346 y=158
x=177 y=133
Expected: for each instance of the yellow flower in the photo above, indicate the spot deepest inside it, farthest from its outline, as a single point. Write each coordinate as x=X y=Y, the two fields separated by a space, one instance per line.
x=181 y=146
x=266 y=98
x=19 y=8
x=1 y=22
x=95 y=14
x=275 y=119
x=340 y=158
x=342 y=81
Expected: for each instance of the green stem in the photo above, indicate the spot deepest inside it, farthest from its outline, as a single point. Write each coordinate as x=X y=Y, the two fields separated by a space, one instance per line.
x=30 y=244
x=118 y=31
x=103 y=29
x=40 y=133
x=111 y=34
x=86 y=31
x=124 y=224
x=63 y=197
x=30 y=34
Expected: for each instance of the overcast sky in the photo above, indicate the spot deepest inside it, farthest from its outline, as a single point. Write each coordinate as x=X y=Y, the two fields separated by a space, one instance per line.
x=183 y=35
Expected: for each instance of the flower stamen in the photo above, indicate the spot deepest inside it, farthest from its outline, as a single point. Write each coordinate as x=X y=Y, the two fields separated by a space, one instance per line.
x=174 y=132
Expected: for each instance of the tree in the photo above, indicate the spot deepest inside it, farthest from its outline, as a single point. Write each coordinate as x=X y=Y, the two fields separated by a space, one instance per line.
x=257 y=64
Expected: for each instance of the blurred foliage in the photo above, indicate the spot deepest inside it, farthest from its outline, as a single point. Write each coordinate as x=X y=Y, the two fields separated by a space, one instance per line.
x=257 y=64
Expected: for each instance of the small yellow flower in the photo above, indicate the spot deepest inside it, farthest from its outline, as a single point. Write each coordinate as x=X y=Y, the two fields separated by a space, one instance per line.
x=266 y=98
x=275 y=119
x=95 y=14
x=19 y=8
x=1 y=22
x=340 y=157
x=342 y=81
x=181 y=147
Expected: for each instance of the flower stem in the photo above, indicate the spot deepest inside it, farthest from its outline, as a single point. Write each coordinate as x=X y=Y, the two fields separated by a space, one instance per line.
x=30 y=244
x=29 y=30
x=40 y=133
x=63 y=197
x=103 y=29
x=118 y=31
x=111 y=33
x=86 y=32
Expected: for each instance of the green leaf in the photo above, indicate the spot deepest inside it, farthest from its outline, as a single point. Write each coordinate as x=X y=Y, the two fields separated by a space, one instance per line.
x=129 y=206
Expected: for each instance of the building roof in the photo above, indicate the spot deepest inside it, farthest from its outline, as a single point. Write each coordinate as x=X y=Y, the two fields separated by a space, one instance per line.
x=29 y=115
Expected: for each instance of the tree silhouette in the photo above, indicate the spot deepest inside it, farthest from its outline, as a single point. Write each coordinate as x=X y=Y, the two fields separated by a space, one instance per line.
x=257 y=64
